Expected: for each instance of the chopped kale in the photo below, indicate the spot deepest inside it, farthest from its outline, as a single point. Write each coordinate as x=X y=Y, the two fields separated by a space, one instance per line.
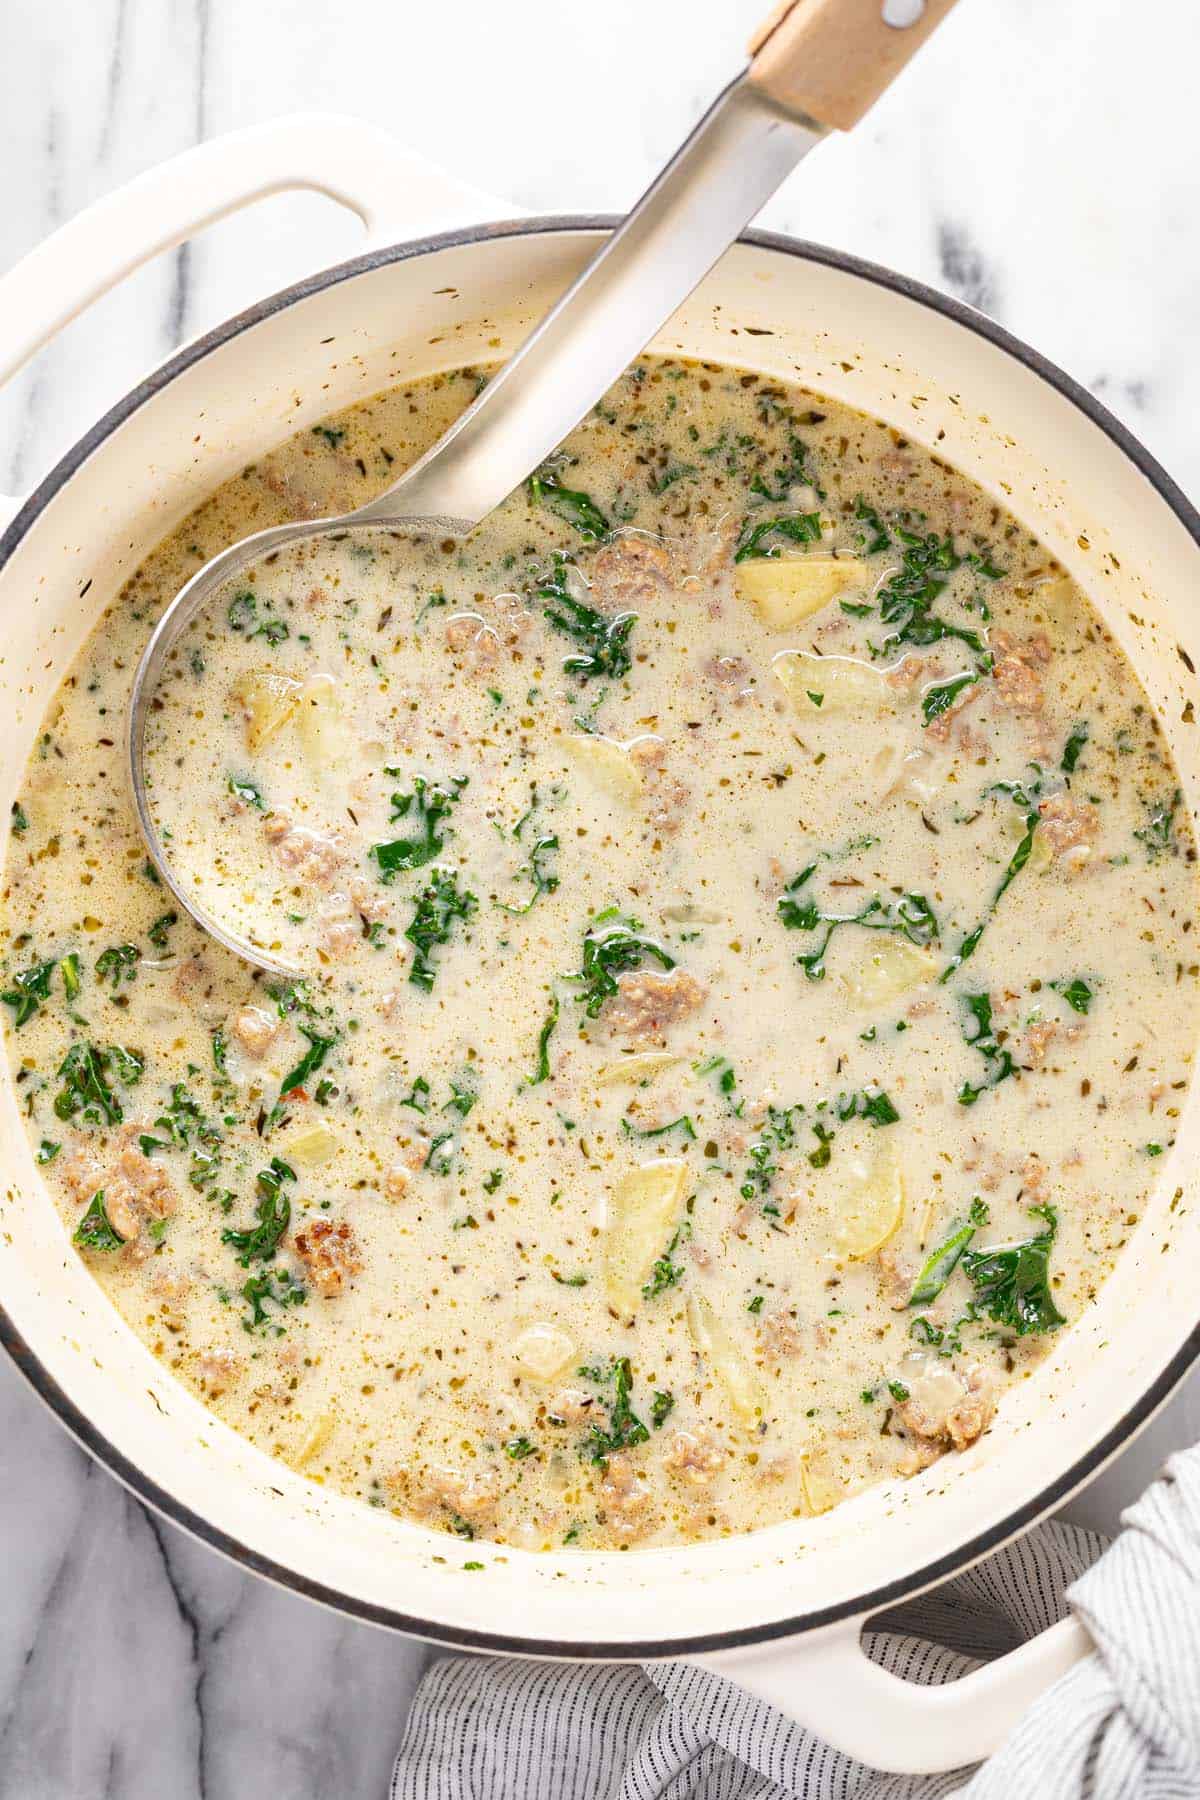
x=665 y=1273
x=158 y=932
x=418 y=1097
x=28 y=991
x=603 y=638
x=426 y=808
x=47 y=1151
x=258 y=1242
x=793 y=473
x=912 y=917
x=940 y=697
x=94 y=1230
x=71 y=978
x=1157 y=836
x=86 y=1092
x=249 y=792
x=578 y=509
x=277 y=1286
x=544 y=880
x=438 y=905
x=876 y=537
x=518 y=1448
x=980 y=1035
x=943 y=1261
x=1077 y=994
x=798 y=528
x=117 y=964
x=1073 y=748
x=612 y=945
x=682 y=1123
x=542 y=1069
x=1012 y=1281
x=660 y=1409
x=318 y=1048
x=624 y=1428
x=1020 y=856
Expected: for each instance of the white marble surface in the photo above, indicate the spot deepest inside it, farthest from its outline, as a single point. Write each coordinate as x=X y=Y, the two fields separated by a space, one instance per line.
x=1038 y=161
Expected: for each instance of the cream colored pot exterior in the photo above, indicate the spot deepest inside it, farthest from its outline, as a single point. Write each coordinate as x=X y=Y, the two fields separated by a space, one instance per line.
x=780 y=1609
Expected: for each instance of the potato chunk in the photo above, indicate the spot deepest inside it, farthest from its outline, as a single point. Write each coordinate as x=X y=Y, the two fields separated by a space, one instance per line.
x=785 y=591
x=870 y=1204
x=608 y=764
x=886 y=972
x=321 y=724
x=266 y=701
x=644 y=1066
x=641 y=1214
x=723 y=1356
x=831 y=684
x=312 y=1145
x=542 y=1352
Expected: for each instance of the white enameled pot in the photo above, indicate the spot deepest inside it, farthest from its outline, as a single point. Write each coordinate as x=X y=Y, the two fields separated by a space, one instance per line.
x=780 y=1610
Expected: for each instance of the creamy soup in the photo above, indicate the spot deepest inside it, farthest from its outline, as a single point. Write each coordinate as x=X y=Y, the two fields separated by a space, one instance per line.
x=741 y=905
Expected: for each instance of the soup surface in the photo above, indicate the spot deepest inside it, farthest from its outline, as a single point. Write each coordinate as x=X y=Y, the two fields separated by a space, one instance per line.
x=743 y=902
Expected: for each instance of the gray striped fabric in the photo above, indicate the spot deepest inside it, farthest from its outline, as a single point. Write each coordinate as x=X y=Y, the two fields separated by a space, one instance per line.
x=1122 y=1725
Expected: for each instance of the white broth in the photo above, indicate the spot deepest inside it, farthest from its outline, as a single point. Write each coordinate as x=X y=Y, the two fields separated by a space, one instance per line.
x=744 y=905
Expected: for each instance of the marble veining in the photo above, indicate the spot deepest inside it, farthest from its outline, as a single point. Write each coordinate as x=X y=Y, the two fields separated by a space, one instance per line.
x=1036 y=161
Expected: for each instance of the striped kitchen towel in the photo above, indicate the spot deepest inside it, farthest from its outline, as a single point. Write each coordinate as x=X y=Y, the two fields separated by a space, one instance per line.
x=1123 y=1725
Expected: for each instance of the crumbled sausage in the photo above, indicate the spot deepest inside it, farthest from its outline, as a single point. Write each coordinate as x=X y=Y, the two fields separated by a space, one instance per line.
x=135 y=1188
x=1015 y=670
x=1070 y=827
x=329 y=1251
x=697 y=1459
x=623 y=1493
x=313 y=855
x=397 y=1181
x=218 y=1370
x=478 y=639
x=779 y=1334
x=631 y=570
x=666 y=795
x=339 y=925
x=648 y=1003
x=944 y=1408
x=471 y=1496
x=570 y=1406
x=255 y=1029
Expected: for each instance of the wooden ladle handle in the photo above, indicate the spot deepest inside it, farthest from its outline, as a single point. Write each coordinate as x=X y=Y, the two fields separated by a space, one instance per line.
x=831 y=59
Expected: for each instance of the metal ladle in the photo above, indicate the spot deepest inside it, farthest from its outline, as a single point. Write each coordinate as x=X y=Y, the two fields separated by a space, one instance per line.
x=816 y=66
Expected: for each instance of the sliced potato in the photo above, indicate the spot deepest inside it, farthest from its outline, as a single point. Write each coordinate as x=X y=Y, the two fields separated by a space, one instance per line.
x=315 y=1438
x=313 y=1145
x=641 y=1215
x=728 y=1364
x=831 y=684
x=784 y=591
x=321 y=724
x=266 y=701
x=633 y=1069
x=822 y=1489
x=608 y=763
x=870 y=1203
x=690 y=912
x=888 y=970
x=542 y=1351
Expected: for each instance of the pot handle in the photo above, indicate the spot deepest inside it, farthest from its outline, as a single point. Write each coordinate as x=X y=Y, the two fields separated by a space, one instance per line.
x=395 y=193
x=829 y=1685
